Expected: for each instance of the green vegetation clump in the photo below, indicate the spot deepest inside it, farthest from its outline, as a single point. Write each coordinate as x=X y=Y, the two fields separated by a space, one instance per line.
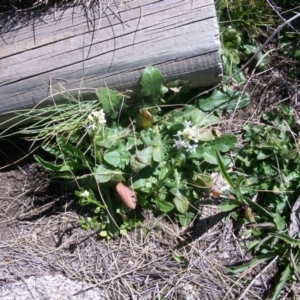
x=157 y=153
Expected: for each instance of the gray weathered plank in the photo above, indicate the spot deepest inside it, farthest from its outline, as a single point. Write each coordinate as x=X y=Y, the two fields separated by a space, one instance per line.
x=180 y=37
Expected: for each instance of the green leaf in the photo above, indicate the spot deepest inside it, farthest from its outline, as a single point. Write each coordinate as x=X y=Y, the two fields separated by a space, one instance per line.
x=209 y=155
x=71 y=154
x=152 y=84
x=162 y=173
x=117 y=159
x=203 y=180
x=285 y=276
x=140 y=183
x=54 y=150
x=158 y=154
x=224 y=101
x=253 y=263
x=224 y=143
x=102 y=174
x=111 y=101
x=135 y=165
x=177 y=257
x=237 y=187
x=50 y=166
x=253 y=244
x=164 y=206
x=181 y=203
x=109 y=137
x=224 y=171
x=229 y=205
x=67 y=166
x=201 y=119
x=145 y=156
x=263 y=154
x=259 y=209
x=206 y=136
x=131 y=142
x=287 y=239
x=186 y=218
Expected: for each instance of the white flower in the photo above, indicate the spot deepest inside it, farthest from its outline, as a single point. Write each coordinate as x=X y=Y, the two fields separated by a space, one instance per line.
x=87 y=128
x=85 y=194
x=180 y=144
x=189 y=133
x=97 y=119
x=93 y=126
x=191 y=148
x=187 y=124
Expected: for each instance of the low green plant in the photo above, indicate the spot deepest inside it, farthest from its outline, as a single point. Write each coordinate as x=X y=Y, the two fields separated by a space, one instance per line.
x=243 y=24
x=151 y=153
x=267 y=169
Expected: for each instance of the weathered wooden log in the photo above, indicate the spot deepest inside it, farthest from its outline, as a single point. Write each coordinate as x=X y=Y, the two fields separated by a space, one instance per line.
x=74 y=49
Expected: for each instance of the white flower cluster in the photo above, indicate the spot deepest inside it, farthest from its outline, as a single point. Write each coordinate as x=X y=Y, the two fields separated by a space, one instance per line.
x=189 y=133
x=85 y=194
x=96 y=120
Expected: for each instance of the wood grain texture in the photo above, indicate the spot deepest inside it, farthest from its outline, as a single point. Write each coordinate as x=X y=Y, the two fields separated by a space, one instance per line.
x=180 y=37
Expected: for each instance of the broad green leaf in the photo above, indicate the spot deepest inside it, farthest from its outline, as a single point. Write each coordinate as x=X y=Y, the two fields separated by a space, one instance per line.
x=229 y=205
x=54 y=150
x=181 y=203
x=162 y=173
x=140 y=183
x=250 y=49
x=224 y=101
x=111 y=101
x=203 y=180
x=164 y=206
x=108 y=137
x=158 y=154
x=263 y=154
x=117 y=159
x=224 y=143
x=185 y=219
x=71 y=154
x=145 y=156
x=206 y=136
x=201 y=119
x=234 y=57
x=135 y=165
x=209 y=155
x=131 y=142
x=152 y=84
x=102 y=174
